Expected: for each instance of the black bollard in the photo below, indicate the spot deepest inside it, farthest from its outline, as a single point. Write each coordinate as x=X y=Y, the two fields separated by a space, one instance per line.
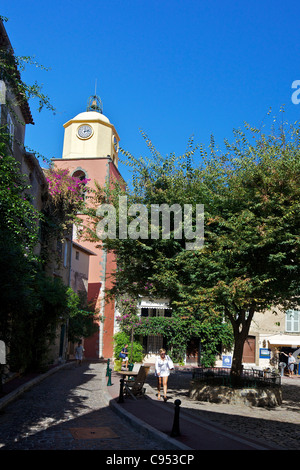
x=175 y=430
x=107 y=368
x=121 y=398
x=109 y=377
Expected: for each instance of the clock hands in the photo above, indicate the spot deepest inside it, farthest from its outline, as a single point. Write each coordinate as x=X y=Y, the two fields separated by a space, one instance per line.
x=84 y=131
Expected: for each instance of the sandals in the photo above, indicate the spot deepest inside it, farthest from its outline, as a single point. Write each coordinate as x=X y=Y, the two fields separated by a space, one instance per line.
x=158 y=397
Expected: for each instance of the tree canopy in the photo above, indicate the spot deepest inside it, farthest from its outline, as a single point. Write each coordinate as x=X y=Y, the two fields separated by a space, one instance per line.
x=250 y=259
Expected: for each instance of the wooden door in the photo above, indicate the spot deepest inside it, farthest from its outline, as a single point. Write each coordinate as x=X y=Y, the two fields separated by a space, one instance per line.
x=249 y=350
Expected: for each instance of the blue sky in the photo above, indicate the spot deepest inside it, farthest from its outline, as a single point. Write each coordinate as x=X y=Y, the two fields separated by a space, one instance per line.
x=173 y=68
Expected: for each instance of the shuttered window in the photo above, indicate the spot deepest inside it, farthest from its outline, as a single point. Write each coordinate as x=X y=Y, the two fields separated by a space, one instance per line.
x=292 y=322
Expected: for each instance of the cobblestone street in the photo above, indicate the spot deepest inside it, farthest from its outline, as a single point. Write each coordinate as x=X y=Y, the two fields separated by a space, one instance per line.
x=66 y=411
x=69 y=411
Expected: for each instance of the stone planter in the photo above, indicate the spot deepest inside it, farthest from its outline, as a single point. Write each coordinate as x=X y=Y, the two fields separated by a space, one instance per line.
x=264 y=397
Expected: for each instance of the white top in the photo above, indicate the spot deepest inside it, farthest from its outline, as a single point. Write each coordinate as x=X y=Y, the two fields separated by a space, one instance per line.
x=163 y=366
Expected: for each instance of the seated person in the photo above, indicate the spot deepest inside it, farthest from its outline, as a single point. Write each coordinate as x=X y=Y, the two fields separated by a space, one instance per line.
x=124 y=356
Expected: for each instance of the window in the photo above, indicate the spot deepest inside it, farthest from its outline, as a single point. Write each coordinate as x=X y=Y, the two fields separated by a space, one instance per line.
x=153 y=312
x=10 y=127
x=59 y=246
x=77 y=255
x=154 y=344
x=292 y=321
x=80 y=174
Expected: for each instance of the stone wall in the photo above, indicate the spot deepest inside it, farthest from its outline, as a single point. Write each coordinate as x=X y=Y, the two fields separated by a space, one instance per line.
x=264 y=397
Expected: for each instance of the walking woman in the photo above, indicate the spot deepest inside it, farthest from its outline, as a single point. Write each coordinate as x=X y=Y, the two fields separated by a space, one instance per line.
x=163 y=365
x=79 y=353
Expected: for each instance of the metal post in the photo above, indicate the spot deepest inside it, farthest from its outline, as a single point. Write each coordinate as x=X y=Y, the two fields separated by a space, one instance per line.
x=175 y=430
x=131 y=350
x=109 y=378
x=121 y=398
x=107 y=368
x=282 y=367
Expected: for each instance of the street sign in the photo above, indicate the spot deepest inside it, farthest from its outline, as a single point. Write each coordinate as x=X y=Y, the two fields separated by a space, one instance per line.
x=226 y=361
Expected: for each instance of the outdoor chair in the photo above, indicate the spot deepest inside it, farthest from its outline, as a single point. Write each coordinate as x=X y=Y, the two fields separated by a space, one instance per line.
x=135 y=388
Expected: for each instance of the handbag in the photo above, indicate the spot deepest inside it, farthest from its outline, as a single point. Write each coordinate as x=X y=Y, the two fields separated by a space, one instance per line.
x=170 y=363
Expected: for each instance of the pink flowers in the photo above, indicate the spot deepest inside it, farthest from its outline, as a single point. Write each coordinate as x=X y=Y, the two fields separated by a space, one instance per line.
x=148 y=285
x=61 y=183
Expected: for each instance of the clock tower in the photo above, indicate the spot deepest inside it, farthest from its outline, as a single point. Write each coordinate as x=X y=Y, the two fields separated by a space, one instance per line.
x=90 y=150
x=90 y=135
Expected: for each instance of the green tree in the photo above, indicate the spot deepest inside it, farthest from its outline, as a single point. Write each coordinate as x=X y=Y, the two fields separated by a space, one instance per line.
x=34 y=323
x=250 y=259
x=19 y=223
x=152 y=270
x=19 y=220
x=80 y=315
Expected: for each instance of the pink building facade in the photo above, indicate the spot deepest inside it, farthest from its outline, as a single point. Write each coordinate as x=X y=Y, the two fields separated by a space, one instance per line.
x=91 y=151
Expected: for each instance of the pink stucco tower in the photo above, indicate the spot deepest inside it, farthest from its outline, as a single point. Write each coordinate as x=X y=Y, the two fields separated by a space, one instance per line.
x=90 y=150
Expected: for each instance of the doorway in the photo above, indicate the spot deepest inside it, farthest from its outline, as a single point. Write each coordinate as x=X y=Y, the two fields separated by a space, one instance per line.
x=192 y=351
x=249 y=350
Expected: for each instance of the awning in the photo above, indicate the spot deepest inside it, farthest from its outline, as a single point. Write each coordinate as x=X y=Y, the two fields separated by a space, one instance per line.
x=285 y=340
x=160 y=304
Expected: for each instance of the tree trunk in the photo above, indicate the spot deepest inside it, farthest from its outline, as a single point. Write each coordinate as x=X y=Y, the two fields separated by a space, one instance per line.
x=241 y=326
x=237 y=360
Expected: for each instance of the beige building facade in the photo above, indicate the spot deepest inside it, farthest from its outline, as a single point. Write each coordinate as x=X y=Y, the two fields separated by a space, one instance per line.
x=271 y=334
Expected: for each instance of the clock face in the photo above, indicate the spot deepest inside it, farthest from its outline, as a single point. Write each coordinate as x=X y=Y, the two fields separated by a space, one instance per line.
x=85 y=131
